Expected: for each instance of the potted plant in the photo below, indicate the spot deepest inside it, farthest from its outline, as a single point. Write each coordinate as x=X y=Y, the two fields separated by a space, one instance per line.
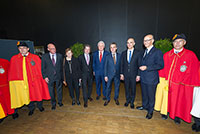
x=164 y=45
x=77 y=49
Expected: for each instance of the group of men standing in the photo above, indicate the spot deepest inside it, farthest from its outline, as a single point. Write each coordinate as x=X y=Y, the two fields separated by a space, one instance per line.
x=33 y=80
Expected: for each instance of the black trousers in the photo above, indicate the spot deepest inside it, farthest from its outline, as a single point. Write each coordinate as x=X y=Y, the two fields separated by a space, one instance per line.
x=73 y=85
x=31 y=105
x=148 y=96
x=87 y=87
x=52 y=91
x=197 y=121
x=130 y=89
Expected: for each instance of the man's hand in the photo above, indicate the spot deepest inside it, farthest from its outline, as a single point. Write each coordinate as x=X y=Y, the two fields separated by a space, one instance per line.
x=143 y=68
x=47 y=80
x=64 y=82
x=121 y=77
x=94 y=73
x=137 y=78
x=106 y=79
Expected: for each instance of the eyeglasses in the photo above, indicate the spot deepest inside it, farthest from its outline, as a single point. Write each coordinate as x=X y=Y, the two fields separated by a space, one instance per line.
x=147 y=40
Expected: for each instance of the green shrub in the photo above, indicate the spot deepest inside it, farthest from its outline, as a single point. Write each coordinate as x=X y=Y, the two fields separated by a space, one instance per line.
x=77 y=49
x=164 y=45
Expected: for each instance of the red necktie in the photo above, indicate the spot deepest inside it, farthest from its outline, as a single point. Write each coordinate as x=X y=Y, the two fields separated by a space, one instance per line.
x=53 y=60
x=100 y=56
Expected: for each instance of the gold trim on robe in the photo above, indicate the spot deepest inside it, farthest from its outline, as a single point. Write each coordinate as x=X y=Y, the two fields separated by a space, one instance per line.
x=161 y=101
x=2 y=114
x=19 y=90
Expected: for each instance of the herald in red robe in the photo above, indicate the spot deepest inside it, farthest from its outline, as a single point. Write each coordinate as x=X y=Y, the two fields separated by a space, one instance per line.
x=4 y=88
x=38 y=88
x=181 y=72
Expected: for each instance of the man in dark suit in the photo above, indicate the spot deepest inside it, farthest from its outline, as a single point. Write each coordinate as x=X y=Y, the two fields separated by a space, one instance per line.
x=151 y=63
x=112 y=72
x=52 y=72
x=85 y=61
x=98 y=69
x=130 y=61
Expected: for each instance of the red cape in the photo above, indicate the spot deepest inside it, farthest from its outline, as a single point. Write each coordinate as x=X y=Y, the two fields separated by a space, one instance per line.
x=38 y=88
x=181 y=71
x=4 y=88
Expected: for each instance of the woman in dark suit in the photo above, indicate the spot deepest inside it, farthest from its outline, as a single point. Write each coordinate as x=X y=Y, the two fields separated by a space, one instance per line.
x=72 y=75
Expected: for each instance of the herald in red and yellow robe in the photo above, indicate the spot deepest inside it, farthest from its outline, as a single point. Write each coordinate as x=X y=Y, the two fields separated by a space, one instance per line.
x=26 y=81
x=181 y=73
x=5 y=106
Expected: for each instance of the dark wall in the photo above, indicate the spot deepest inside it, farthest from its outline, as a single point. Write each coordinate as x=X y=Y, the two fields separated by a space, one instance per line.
x=65 y=22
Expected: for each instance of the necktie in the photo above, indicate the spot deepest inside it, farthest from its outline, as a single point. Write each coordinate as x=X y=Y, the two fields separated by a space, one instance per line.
x=114 y=59
x=100 y=58
x=53 y=60
x=70 y=66
x=87 y=59
x=145 y=53
x=129 y=60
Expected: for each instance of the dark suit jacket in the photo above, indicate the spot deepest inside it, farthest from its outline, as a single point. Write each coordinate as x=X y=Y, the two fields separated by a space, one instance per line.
x=111 y=69
x=75 y=69
x=134 y=64
x=154 y=62
x=98 y=67
x=48 y=68
x=84 y=68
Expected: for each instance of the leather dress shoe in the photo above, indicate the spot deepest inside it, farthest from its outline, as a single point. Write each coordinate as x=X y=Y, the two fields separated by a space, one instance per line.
x=15 y=115
x=1 y=120
x=31 y=112
x=177 y=120
x=41 y=109
x=60 y=104
x=116 y=101
x=106 y=102
x=194 y=127
x=73 y=102
x=98 y=97
x=78 y=102
x=132 y=106
x=126 y=104
x=197 y=129
x=140 y=107
x=85 y=105
x=149 y=116
x=53 y=107
x=89 y=98
x=164 y=117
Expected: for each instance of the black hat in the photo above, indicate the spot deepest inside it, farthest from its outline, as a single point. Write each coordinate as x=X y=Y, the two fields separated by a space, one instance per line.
x=179 y=36
x=19 y=44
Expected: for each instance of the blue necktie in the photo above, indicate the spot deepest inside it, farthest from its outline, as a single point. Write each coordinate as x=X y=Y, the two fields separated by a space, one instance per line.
x=129 y=60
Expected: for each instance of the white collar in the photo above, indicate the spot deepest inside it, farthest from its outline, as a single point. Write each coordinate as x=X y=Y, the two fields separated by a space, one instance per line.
x=148 y=49
x=177 y=51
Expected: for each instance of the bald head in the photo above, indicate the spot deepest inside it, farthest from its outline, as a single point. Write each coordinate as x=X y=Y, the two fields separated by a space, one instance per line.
x=130 y=43
x=148 y=40
x=51 y=48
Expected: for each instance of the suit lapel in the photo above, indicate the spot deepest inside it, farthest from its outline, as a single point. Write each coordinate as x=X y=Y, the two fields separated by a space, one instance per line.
x=50 y=60
x=149 y=53
x=56 y=59
x=83 y=56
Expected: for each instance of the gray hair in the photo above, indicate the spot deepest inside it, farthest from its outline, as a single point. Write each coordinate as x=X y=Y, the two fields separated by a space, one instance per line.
x=101 y=42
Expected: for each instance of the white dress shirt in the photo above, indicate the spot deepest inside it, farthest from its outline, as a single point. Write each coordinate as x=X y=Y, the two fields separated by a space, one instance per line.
x=54 y=56
x=128 y=51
